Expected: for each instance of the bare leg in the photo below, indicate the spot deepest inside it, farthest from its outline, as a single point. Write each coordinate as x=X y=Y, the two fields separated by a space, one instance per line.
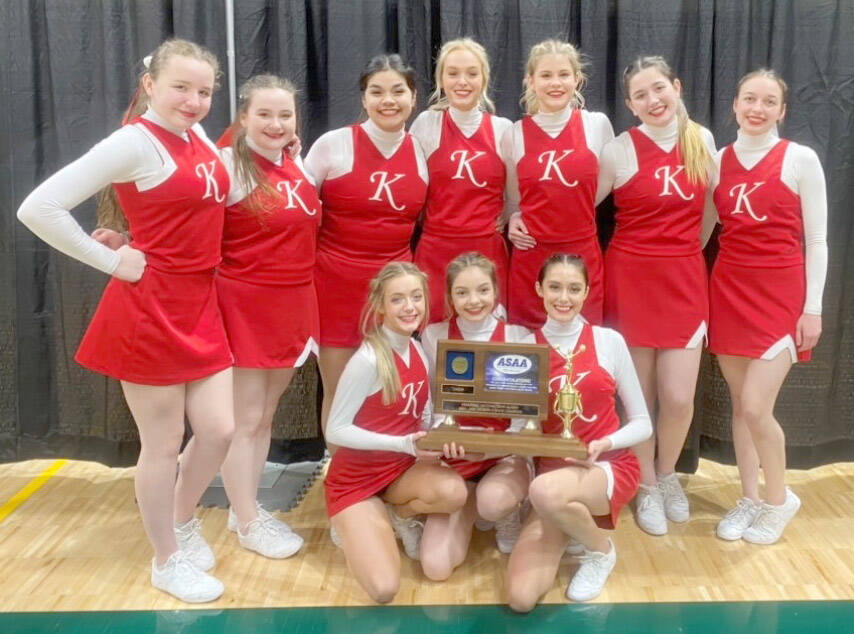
x=734 y=370
x=762 y=383
x=534 y=562
x=210 y=409
x=370 y=548
x=645 y=365
x=446 y=539
x=676 y=372
x=159 y=415
x=331 y=362
x=569 y=497
x=503 y=488
x=427 y=487
x=256 y=396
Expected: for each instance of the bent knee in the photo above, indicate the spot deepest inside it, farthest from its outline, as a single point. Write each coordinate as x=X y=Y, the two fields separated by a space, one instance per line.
x=451 y=491
x=677 y=404
x=382 y=588
x=436 y=570
x=521 y=598
x=496 y=502
x=546 y=496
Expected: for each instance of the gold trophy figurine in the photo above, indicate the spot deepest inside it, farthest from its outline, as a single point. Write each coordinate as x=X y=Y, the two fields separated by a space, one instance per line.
x=567 y=403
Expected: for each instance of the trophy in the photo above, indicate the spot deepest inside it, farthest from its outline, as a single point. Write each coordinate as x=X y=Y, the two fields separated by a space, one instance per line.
x=507 y=380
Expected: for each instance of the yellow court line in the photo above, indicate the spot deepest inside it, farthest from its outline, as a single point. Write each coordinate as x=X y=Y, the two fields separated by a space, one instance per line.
x=32 y=486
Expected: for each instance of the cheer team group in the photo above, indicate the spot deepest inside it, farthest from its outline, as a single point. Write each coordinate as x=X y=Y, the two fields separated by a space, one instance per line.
x=232 y=262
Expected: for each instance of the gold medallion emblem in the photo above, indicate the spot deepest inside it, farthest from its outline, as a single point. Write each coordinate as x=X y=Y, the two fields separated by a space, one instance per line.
x=460 y=365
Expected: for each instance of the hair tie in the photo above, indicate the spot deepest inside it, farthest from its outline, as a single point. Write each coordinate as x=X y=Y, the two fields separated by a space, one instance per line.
x=146 y=61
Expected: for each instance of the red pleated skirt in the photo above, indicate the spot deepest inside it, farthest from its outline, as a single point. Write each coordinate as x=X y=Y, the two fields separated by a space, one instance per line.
x=656 y=301
x=752 y=309
x=162 y=330
x=269 y=326
x=355 y=475
x=342 y=291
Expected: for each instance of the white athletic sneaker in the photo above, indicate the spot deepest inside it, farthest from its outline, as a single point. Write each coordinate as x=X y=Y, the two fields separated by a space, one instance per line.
x=676 y=507
x=738 y=520
x=770 y=521
x=269 y=537
x=183 y=580
x=649 y=510
x=574 y=548
x=408 y=531
x=335 y=537
x=507 y=531
x=262 y=513
x=590 y=578
x=191 y=541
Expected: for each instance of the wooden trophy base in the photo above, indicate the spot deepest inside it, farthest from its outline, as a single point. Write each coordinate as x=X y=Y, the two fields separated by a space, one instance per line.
x=496 y=443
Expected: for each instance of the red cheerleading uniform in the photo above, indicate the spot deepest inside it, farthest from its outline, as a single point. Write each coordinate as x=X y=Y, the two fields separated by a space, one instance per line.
x=167 y=328
x=266 y=280
x=468 y=468
x=355 y=475
x=656 y=284
x=557 y=184
x=600 y=418
x=465 y=198
x=368 y=218
x=758 y=283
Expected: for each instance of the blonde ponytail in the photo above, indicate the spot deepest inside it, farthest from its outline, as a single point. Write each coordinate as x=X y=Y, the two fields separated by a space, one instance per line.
x=695 y=153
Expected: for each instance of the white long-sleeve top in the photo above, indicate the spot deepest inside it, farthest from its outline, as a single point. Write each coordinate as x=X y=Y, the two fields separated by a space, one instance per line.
x=240 y=190
x=130 y=154
x=332 y=155
x=613 y=356
x=359 y=381
x=597 y=132
x=801 y=172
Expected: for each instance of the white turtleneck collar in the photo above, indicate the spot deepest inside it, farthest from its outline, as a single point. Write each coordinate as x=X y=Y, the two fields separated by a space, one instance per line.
x=399 y=343
x=559 y=329
x=559 y=117
x=380 y=136
x=466 y=119
x=664 y=136
x=274 y=156
x=154 y=117
x=752 y=142
x=470 y=329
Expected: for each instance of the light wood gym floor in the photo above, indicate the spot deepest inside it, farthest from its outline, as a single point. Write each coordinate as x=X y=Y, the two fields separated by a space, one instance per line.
x=77 y=543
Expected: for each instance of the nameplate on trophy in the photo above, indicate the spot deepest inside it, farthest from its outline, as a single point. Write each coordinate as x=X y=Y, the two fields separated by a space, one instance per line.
x=497 y=380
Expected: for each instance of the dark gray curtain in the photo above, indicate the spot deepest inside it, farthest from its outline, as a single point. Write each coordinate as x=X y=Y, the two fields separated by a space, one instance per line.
x=69 y=69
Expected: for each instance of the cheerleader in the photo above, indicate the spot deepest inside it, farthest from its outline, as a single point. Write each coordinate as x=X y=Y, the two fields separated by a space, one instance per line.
x=375 y=487
x=266 y=293
x=372 y=180
x=496 y=487
x=552 y=171
x=460 y=137
x=765 y=292
x=158 y=327
x=570 y=498
x=655 y=274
